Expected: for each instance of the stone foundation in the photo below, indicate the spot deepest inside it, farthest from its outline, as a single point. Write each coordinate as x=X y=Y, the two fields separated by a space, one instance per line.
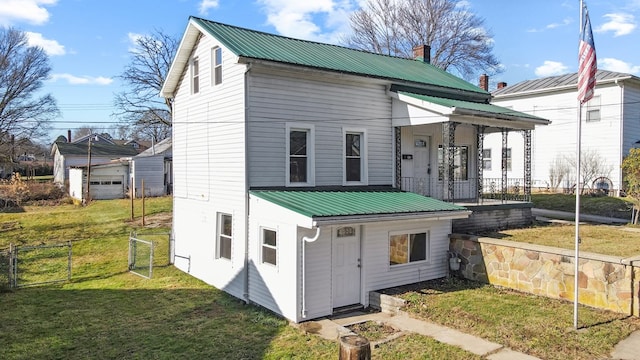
x=385 y=303
x=605 y=282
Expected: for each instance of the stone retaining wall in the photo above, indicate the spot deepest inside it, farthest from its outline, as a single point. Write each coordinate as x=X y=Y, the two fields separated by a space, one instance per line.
x=605 y=282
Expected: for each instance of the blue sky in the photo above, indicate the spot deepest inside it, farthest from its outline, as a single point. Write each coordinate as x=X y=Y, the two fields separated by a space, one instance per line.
x=88 y=40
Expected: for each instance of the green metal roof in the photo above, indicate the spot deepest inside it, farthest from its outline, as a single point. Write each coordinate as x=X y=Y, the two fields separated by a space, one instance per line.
x=259 y=45
x=489 y=109
x=345 y=203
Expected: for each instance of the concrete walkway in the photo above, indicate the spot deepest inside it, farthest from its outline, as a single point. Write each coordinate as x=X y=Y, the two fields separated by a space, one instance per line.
x=335 y=327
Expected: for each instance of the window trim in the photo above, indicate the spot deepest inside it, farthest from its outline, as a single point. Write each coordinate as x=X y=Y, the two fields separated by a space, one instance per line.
x=410 y=232
x=311 y=167
x=215 y=79
x=364 y=160
x=194 y=65
x=219 y=234
x=441 y=163
x=263 y=245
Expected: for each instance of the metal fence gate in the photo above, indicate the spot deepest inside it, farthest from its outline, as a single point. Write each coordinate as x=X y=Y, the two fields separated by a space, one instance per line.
x=35 y=265
x=142 y=252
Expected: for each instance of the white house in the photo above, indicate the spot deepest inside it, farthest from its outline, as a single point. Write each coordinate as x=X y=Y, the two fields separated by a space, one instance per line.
x=289 y=158
x=610 y=127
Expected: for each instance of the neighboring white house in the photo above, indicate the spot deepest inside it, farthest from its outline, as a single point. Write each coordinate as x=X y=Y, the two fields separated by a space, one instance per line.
x=610 y=127
x=289 y=158
x=153 y=167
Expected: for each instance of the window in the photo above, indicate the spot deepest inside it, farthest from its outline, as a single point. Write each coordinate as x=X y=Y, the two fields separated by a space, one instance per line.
x=355 y=161
x=225 y=236
x=216 y=60
x=460 y=162
x=593 y=109
x=405 y=248
x=195 y=76
x=509 y=159
x=269 y=246
x=298 y=160
x=486 y=159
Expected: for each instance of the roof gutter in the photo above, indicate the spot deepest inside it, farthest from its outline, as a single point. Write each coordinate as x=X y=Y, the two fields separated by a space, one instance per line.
x=363 y=219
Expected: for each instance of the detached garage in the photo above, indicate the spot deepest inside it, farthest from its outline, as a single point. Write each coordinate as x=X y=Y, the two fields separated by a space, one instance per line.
x=108 y=181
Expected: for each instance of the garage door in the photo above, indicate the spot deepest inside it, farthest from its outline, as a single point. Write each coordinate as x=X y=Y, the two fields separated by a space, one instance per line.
x=107 y=187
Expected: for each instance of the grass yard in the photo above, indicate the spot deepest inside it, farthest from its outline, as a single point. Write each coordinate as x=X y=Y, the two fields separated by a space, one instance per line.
x=593 y=205
x=531 y=324
x=105 y=312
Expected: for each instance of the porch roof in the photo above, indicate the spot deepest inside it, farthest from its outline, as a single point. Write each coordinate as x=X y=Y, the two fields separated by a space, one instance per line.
x=479 y=113
x=360 y=206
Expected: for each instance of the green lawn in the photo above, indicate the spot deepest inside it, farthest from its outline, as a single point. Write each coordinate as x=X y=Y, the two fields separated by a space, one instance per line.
x=105 y=312
x=592 y=205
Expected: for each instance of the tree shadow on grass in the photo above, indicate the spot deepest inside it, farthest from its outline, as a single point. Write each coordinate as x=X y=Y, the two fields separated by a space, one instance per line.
x=148 y=324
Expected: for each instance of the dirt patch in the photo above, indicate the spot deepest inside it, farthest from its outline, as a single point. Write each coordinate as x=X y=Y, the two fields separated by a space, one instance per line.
x=373 y=330
x=160 y=220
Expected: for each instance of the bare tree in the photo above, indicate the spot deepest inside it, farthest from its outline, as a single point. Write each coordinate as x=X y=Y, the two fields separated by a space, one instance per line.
x=23 y=69
x=559 y=170
x=141 y=104
x=592 y=166
x=457 y=37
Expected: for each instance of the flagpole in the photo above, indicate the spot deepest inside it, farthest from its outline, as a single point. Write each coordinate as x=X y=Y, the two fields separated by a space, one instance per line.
x=578 y=189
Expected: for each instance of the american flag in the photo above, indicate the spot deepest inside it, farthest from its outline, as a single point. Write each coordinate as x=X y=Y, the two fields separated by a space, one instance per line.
x=587 y=60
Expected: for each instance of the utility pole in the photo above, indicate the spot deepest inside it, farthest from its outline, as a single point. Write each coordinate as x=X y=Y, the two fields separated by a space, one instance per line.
x=88 y=198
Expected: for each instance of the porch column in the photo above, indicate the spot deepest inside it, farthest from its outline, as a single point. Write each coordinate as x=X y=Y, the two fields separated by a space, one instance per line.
x=505 y=134
x=527 y=164
x=398 y=149
x=449 y=141
x=480 y=164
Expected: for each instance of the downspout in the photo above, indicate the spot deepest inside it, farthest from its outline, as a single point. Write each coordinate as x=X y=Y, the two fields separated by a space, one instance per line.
x=306 y=239
x=622 y=145
x=245 y=294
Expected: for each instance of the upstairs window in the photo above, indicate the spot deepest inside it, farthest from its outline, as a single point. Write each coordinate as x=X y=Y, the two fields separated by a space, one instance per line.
x=355 y=167
x=509 y=161
x=216 y=60
x=195 y=76
x=593 y=109
x=298 y=160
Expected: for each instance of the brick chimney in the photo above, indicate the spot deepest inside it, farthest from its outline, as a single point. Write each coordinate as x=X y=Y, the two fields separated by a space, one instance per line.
x=484 y=82
x=502 y=84
x=422 y=52
x=68 y=135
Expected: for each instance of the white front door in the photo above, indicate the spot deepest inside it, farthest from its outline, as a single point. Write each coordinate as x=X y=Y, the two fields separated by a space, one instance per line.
x=346 y=266
x=421 y=165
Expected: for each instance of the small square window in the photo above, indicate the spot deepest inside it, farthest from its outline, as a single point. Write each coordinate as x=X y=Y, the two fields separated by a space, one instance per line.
x=405 y=248
x=269 y=246
x=225 y=236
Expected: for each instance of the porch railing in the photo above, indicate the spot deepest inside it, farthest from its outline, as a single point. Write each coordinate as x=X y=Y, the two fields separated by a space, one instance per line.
x=467 y=190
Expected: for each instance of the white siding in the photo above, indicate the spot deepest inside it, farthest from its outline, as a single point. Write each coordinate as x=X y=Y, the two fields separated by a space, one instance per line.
x=151 y=170
x=208 y=163
x=76 y=183
x=559 y=138
x=275 y=99
x=631 y=112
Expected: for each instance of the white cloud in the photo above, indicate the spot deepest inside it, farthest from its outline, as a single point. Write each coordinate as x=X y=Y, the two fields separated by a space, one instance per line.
x=206 y=5
x=82 y=80
x=620 y=24
x=616 y=65
x=551 y=68
x=51 y=47
x=564 y=22
x=300 y=19
x=30 y=11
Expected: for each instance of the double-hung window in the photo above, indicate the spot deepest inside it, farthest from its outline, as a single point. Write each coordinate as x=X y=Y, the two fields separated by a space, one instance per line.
x=300 y=156
x=460 y=162
x=355 y=159
x=195 y=76
x=593 y=109
x=225 y=236
x=269 y=247
x=216 y=61
x=408 y=247
x=486 y=159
